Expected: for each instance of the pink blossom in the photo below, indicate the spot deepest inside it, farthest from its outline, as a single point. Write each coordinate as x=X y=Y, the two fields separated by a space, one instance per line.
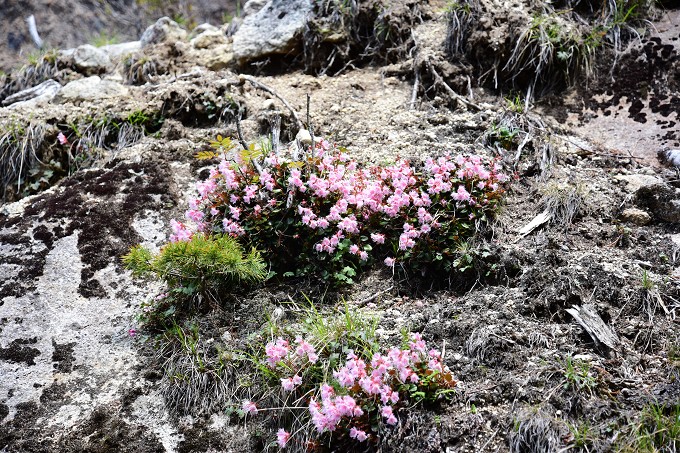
x=357 y=434
x=378 y=238
x=289 y=384
x=388 y=414
x=461 y=194
x=282 y=437
x=194 y=215
x=305 y=349
x=249 y=407
x=206 y=187
x=62 y=139
x=389 y=261
x=276 y=352
x=179 y=231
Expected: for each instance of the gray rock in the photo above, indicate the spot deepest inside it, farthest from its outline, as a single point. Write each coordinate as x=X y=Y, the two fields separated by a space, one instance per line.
x=90 y=59
x=219 y=57
x=165 y=29
x=91 y=89
x=304 y=137
x=46 y=91
x=662 y=200
x=275 y=29
x=116 y=51
x=636 y=181
x=636 y=216
x=253 y=7
x=202 y=28
x=670 y=157
x=209 y=39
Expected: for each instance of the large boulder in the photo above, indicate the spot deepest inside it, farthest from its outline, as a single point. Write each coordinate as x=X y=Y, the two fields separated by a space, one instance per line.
x=274 y=29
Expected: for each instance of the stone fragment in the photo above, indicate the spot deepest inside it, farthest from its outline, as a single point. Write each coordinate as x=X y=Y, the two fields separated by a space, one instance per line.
x=636 y=181
x=274 y=29
x=636 y=216
x=662 y=200
x=304 y=137
x=116 y=51
x=164 y=30
x=201 y=28
x=253 y=6
x=217 y=58
x=89 y=59
x=209 y=39
x=46 y=91
x=91 y=89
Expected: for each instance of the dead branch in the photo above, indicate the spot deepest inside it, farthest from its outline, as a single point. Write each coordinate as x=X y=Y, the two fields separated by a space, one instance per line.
x=439 y=80
x=271 y=91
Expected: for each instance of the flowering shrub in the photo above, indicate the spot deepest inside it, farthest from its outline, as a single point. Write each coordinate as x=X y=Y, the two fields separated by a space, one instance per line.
x=359 y=399
x=328 y=216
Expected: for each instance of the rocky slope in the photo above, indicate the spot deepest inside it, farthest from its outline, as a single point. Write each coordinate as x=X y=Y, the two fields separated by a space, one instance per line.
x=106 y=160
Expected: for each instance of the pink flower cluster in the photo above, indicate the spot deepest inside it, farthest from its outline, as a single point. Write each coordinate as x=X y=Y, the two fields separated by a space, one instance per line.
x=377 y=382
x=363 y=391
x=280 y=350
x=334 y=201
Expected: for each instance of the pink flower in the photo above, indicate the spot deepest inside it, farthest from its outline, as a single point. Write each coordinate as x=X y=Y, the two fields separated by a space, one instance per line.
x=461 y=194
x=282 y=437
x=179 y=231
x=132 y=332
x=305 y=348
x=388 y=414
x=249 y=407
x=354 y=249
x=289 y=384
x=357 y=434
x=62 y=139
x=276 y=352
x=389 y=261
x=194 y=215
x=378 y=238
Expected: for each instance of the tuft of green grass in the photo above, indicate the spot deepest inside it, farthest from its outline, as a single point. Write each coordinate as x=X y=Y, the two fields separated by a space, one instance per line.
x=577 y=376
x=20 y=150
x=583 y=437
x=657 y=431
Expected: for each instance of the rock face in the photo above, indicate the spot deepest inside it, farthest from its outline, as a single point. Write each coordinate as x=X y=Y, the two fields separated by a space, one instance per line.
x=66 y=353
x=274 y=29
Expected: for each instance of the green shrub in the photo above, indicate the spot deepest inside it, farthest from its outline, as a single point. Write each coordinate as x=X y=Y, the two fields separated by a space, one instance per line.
x=204 y=266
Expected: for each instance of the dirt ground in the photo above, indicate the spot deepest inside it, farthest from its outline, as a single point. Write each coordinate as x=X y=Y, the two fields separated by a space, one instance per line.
x=74 y=379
